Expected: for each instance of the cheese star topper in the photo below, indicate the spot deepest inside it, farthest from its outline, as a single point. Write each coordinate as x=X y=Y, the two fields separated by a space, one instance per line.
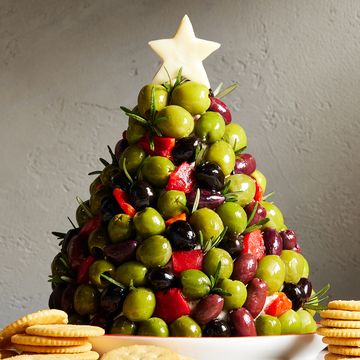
x=184 y=51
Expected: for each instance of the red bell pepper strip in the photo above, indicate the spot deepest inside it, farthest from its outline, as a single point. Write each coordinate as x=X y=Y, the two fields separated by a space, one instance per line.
x=82 y=276
x=182 y=179
x=163 y=146
x=181 y=216
x=91 y=225
x=121 y=197
x=279 y=305
x=254 y=244
x=258 y=192
x=186 y=260
x=170 y=305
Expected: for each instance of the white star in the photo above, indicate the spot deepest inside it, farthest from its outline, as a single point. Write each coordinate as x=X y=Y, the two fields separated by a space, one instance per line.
x=184 y=51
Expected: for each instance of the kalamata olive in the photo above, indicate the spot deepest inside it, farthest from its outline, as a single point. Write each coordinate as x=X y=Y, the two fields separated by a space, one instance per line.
x=245 y=267
x=55 y=297
x=233 y=244
x=259 y=215
x=220 y=107
x=67 y=298
x=208 y=198
x=242 y=323
x=210 y=176
x=141 y=195
x=256 y=296
x=121 y=251
x=273 y=242
x=120 y=146
x=112 y=298
x=217 y=328
x=184 y=150
x=77 y=251
x=245 y=164
x=160 y=278
x=306 y=285
x=109 y=208
x=181 y=236
x=208 y=308
x=70 y=234
x=289 y=239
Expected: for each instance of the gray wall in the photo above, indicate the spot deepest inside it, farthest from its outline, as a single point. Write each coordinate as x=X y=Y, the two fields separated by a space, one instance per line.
x=66 y=66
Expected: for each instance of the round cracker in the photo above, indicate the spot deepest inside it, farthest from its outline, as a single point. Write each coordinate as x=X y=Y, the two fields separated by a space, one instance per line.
x=65 y=330
x=341 y=341
x=344 y=350
x=54 y=349
x=140 y=352
x=352 y=305
x=5 y=354
x=89 y=355
x=330 y=356
x=52 y=316
x=340 y=314
x=25 y=339
x=338 y=332
x=350 y=324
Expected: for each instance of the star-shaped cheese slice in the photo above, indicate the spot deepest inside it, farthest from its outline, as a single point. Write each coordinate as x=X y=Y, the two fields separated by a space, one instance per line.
x=183 y=51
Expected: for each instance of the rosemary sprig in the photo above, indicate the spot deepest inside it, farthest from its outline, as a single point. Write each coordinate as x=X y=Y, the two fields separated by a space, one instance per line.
x=314 y=302
x=217 y=90
x=84 y=207
x=73 y=225
x=113 y=157
x=226 y=187
x=267 y=196
x=59 y=235
x=104 y=162
x=56 y=279
x=196 y=201
x=199 y=153
x=126 y=171
x=213 y=242
x=134 y=116
x=232 y=196
x=152 y=104
x=253 y=213
x=111 y=280
x=238 y=152
x=214 y=280
x=96 y=172
x=256 y=226
x=226 y=91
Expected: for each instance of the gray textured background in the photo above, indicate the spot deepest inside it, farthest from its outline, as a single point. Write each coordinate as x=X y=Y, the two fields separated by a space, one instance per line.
x=66 y=66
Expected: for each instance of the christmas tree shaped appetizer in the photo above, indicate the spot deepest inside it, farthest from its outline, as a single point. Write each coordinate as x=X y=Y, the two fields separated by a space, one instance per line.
x=177 y=238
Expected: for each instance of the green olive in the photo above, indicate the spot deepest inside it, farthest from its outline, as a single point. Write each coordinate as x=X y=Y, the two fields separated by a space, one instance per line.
x=86 y=299
x=268 y=325
x=290 y=323
x=260 y=179
x=108 y=172
x=308 y=324
x=59 y=265
x=131 y=271
x=135 y=131
x=120 y=228
x=272 y=270
x=294 y=265
x=145 y=98
x=97 y=241
x=210 y=127
x=94 y=186
x=148 y=222
x=98 y=268
x=153 y=327
x=243 y=187
x=233 y=216
x=154 y=251
x=96 y=199
x=139 y=304
x=208 y=222
x=275 y=216
x=132 y=157
x=174 y=121
x=238 y=294
x=221 y=153
x=171 y=203
x=235 y=135
x=123 y=326
x=82 y=215
x=185 y=326
x=156 y=170
x=195 y=284
x=192 y=96
x=212 y=259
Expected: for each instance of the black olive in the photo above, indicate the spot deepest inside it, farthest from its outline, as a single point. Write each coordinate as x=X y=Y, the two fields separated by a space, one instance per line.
x=210 y=176
x=181 y=235
x=141 y=195
x=112 y=298
x=184 y=150
x=160 y=278
x=218 y=328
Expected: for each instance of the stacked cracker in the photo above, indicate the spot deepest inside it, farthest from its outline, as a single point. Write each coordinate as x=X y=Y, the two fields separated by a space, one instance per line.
x=341 y=329
x=46 y=335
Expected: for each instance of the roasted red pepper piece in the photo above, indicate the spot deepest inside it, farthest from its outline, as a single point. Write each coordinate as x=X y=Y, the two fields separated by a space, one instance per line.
x=254 y=244
x=82 y=276
x=162 y=145
x=185 y=260
x=182 y=179
x=279 y=305
x=170 y=305
x=91 y=225
x=258 y=193
x=181 y=216
x=122 y=199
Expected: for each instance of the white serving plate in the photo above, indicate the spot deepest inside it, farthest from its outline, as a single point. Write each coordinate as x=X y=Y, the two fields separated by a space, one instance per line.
x=284 y=347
